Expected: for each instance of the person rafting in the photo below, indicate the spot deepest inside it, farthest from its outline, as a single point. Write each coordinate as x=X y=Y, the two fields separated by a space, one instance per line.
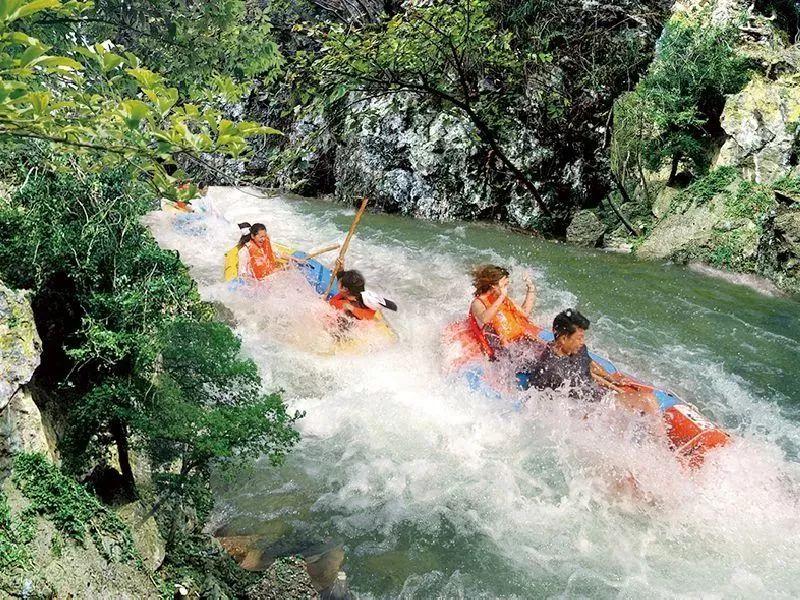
x=252 y=257
x=566 y=361
x=350 y=297
x=498 y=322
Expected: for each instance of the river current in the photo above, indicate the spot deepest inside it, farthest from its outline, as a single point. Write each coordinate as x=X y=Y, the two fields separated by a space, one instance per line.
x=437 y=491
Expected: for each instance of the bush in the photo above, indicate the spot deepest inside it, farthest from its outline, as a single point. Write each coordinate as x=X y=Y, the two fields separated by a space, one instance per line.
x=673 y=114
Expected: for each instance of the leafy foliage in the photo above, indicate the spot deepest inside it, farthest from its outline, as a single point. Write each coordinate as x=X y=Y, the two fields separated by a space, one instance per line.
x=74 y=511
x=143 y=366
x=15 y=535
x=102 y=103
x=673 y=114
x=209 y=50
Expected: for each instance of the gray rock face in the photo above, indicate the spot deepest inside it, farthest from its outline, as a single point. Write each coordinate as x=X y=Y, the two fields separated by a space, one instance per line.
x=146 y=537
x=761 y=121
x=79 y=572
x=21 y=426
x=410 y=160
x=787 y=227
x=586 y=229
x=19 y=343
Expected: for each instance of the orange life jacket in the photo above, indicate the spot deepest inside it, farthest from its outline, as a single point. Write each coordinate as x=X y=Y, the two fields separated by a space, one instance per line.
x=510 y=322
x=355 y=310
x=262 y=259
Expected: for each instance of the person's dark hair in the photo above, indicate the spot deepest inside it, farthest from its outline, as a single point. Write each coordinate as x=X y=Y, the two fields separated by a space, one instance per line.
x=254 y=229
x=568 y=322
x=246 y=237
x=485 y=277
x=353 y=281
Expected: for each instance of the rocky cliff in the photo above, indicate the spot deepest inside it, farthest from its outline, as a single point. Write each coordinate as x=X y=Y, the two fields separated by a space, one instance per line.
x=743 y=212
x=45 y=552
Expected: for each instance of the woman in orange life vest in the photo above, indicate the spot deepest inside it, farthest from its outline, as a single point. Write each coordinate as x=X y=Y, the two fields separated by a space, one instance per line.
x=499 y=324
x=256 y=258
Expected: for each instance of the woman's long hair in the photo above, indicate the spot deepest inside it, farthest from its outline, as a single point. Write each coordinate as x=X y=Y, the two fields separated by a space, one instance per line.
x=485 y=277
x=254 y=229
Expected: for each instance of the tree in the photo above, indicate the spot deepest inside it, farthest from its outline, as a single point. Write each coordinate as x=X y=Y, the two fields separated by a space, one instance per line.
x=129 y=347
x=208 y=49
x=103 y=104
x=673 y=114
x=450 y=52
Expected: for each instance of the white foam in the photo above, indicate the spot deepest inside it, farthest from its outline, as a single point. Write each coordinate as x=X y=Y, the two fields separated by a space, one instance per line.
x=392 y=449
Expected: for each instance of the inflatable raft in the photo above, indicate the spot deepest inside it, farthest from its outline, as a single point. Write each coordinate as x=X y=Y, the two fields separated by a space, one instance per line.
x=690 y=434
x=319 y=277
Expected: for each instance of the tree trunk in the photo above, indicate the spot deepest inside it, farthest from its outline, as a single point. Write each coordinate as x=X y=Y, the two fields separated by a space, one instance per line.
x=491 y=140
x=119 y=431
x=614 y=207
x=673 y=171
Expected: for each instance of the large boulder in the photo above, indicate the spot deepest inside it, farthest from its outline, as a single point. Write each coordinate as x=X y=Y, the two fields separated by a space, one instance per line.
x=19 y=343
x=787 y=227
x=586 y=229
x=411 y=159
x=761 y=122
x=22 y=429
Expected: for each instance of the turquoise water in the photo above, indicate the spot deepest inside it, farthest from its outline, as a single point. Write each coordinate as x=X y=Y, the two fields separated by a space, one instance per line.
x=437 y=492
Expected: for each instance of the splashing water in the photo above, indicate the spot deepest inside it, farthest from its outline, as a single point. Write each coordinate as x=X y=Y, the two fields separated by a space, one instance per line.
x=439 y=492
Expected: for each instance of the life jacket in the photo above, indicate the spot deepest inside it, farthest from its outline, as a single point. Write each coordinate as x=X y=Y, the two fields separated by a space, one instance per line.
x=356 y=309
x=510 y=323
x=232 y=263
x=262 y=259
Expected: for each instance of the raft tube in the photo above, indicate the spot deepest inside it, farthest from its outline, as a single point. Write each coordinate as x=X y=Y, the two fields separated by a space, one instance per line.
x=690 y=434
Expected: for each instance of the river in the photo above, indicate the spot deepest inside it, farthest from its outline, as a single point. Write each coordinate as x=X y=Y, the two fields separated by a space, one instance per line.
x=435 y=491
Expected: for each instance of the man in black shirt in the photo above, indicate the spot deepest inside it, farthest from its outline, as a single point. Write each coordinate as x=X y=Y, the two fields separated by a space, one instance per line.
x=566 y=360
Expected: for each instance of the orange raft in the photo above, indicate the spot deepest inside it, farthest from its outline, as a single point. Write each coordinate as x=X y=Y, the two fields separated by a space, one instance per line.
x=691 y=435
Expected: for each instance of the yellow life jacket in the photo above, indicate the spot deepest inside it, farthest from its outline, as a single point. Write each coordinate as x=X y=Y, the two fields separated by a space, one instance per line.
x=232 y=263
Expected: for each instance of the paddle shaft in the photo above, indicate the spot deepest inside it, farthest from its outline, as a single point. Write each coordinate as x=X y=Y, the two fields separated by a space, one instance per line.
x=340 y=260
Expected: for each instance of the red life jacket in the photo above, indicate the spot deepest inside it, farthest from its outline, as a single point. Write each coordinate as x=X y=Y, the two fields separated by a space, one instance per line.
x=262 y=259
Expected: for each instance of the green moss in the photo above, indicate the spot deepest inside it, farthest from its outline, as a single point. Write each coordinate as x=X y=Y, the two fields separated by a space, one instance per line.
x=704 y=189
x=788 y=185
x=72 y=509
x=751 y=201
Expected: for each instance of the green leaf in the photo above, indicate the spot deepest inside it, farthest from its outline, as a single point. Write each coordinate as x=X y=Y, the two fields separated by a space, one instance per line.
x=133 y=112
x=59 y=62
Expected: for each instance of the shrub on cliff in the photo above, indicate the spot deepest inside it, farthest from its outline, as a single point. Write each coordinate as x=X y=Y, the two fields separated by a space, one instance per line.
x=673 y=114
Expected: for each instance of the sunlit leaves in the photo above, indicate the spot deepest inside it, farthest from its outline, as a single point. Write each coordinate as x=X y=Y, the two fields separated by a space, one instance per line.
x=99 y=100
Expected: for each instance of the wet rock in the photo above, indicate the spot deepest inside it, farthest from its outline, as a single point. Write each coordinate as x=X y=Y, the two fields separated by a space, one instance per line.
x=286 y=578
x=586 y=229
x=19 y=342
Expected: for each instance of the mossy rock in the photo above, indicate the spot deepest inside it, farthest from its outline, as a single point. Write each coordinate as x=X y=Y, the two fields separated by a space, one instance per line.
x=20 y=345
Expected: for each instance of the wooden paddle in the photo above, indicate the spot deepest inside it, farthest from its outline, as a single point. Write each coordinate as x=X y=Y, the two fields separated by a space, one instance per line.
x=339 y=265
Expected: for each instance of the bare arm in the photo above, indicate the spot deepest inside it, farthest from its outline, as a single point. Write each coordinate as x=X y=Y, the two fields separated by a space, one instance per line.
x=485 y=314
x=530 y=296
x=615 y=381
